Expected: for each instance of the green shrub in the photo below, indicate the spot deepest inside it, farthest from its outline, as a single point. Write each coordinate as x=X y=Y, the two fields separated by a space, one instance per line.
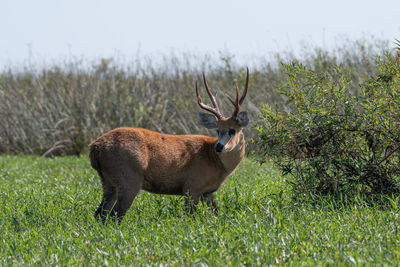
x=332 y=141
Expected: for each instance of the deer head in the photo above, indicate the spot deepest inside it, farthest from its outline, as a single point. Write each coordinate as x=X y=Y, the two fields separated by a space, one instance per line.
x=229 y=129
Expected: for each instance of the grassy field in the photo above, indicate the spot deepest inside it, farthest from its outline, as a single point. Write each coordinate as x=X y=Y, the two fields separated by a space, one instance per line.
x=47 y=218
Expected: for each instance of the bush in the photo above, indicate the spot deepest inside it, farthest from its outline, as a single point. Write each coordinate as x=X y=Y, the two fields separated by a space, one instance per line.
x=332 y=141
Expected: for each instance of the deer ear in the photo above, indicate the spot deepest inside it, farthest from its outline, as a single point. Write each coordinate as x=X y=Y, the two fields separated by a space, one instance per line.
x=243 y=119
x=208 y=120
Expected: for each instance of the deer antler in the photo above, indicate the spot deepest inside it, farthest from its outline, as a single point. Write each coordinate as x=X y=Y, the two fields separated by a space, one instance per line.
x=214 y=110
x=238 y=101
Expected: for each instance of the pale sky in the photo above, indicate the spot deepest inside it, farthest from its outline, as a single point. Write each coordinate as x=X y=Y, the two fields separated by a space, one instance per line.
x=54 y=29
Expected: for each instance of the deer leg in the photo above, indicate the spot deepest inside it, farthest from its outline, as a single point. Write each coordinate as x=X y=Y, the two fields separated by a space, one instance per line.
x=210 y=201
x=107 y=204
x=126 y=194
x=191 y=201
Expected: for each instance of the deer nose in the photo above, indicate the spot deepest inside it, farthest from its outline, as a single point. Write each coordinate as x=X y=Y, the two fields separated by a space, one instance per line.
x=219 y=147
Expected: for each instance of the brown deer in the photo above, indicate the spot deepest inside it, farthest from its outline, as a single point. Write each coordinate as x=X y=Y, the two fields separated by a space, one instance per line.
x=130 y=159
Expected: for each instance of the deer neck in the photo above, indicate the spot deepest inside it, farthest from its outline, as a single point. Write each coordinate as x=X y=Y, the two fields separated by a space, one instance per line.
x=230 y=160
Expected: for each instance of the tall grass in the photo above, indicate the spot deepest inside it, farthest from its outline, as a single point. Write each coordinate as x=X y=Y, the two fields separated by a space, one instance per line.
x=60 y=108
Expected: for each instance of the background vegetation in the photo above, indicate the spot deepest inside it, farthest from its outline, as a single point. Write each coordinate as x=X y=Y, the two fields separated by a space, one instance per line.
x=332 y=140
x=60 y=109
x=345 y=95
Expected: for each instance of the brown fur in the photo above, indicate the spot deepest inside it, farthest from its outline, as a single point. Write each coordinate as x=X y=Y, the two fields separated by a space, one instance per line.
x=130 y=159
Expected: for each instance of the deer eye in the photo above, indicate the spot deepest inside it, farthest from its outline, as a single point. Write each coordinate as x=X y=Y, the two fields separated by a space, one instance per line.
x=232 y=132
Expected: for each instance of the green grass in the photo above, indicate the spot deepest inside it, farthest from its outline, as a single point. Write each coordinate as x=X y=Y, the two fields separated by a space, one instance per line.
x=47 y=218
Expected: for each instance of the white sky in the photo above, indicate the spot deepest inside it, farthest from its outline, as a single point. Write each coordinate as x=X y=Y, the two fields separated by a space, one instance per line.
x=55 y=29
